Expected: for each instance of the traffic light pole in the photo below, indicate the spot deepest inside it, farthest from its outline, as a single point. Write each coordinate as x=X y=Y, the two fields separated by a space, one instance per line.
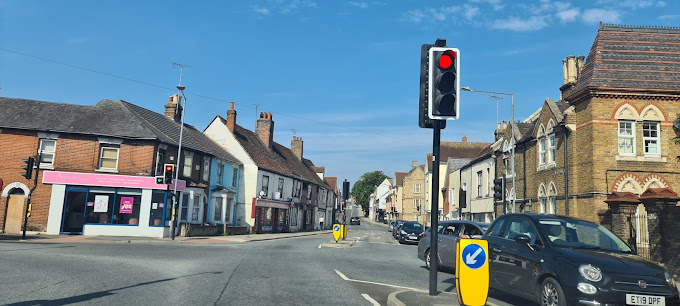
x=28 y=201
x=434 y=212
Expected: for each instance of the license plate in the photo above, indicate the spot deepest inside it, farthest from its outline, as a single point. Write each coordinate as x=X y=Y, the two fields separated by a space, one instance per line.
x=635 y=299
x=412 y=237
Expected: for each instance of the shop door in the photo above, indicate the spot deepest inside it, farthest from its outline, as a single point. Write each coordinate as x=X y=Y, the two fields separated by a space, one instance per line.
x=73 y=212
x=15 y=213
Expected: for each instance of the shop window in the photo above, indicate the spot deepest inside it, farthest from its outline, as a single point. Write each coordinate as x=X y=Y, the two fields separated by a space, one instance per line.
x=108 y=157
x=158 y=201
x=100 y=202
x=47 y=148
x=126 y=207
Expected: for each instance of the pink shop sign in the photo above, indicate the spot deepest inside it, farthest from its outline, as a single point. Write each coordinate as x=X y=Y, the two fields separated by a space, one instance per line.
x=106 y=180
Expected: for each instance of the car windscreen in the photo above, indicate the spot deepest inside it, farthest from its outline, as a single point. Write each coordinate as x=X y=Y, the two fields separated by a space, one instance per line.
x=579 y=234
x=416 y=226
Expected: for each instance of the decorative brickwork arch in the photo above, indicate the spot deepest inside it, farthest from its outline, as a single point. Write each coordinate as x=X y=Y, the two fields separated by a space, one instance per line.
x=541 y=191
x=652 y=112
x=541 y=131
x=551 y=124
x=8 y=188
x=655 y=180
x=625 y=111
x=628 y=182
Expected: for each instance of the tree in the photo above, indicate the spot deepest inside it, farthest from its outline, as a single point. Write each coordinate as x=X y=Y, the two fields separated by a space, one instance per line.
x=366 y=184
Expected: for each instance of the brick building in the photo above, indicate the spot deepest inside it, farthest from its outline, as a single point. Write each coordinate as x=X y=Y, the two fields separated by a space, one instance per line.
x=98 y=167
x=611 y=132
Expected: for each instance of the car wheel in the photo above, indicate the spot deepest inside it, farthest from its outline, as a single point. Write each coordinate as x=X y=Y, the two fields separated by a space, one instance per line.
x=551 y=293
x=428 y=262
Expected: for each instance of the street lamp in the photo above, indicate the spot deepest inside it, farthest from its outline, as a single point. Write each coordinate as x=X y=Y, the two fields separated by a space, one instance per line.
x=512 y=131
x=179 y=154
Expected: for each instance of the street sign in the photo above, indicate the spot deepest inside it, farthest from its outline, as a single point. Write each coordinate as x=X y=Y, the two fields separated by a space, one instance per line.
x=472 y=271
x=337 y=232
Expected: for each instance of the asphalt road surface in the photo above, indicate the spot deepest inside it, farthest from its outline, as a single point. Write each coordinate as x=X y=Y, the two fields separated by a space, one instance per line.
x=291 y=271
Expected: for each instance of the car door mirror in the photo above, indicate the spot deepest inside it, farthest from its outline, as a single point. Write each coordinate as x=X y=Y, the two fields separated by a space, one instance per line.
x=476 y=236
x=524 y=239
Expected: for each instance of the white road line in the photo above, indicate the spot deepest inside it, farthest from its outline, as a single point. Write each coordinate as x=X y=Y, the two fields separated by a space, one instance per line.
x=370 y=299
x=374 y=283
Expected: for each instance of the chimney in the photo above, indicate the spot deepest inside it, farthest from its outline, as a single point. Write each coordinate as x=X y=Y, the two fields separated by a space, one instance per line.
x=265 y=129
x=173 y=110
x=231 y=117
x=464 y=139
x=504 y=124
x=414 y=164
x=571 y=70
x=296 y=146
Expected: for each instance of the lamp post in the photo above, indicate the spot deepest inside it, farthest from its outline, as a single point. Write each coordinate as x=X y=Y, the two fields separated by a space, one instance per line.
x=179 y=154
x=512 y=133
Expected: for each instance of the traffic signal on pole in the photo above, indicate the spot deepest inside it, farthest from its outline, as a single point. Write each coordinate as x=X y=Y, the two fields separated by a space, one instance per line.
x=168 y=173
x=498 y=189
x=424 y=120
x=443 y=84
x=28 y=167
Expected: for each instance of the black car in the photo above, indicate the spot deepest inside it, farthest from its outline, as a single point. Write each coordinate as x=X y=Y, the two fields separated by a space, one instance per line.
x=410 y=232
x=397 y=230
x=354 y=220
x=560 y=260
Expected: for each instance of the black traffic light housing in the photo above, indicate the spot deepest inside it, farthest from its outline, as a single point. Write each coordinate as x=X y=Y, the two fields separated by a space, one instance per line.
x=443 y=83
x=168 y=173
x=424 y=120
x=28 y=167
x=498 y=189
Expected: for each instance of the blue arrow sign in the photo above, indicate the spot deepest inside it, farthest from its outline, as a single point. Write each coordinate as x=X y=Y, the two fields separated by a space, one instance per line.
x=336 y=228
x=473 y=256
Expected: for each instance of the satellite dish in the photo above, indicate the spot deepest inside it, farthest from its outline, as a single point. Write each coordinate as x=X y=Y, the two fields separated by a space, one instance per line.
x=261 y=193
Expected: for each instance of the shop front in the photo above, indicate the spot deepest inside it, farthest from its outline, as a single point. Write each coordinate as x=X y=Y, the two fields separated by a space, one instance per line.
x=109 y=205
x=271 y=216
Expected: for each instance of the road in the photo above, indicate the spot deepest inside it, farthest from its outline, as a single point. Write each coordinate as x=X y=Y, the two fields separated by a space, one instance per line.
x=292 y=271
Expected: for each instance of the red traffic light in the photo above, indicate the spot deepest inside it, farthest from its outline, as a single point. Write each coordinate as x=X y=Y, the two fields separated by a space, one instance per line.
x=446 y=59
x=168 y=167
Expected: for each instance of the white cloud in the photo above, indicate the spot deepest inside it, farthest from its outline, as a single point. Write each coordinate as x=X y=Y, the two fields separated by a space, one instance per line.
x=600 y=15
x=470 y=12
x=359 y=4
x=635 y=4
x=669 y=17
x=441 y=14
x=283 y=6
x=568 y=15
x=661 y=4
x=414 y=16
x=532 y=23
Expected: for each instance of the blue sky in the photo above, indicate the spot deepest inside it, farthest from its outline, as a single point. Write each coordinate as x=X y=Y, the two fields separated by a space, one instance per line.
x=343 y=74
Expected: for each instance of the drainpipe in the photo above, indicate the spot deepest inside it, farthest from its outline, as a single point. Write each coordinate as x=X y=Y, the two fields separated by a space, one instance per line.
x=566 y=168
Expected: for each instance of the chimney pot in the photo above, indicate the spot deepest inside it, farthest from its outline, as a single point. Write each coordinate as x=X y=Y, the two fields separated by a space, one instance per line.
x=231 y=117
x=297 y=147
x=231 y=105
x=464 y=139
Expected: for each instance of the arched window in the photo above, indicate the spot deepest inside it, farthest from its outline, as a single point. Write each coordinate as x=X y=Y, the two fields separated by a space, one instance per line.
x=552 y=198
x=542 y=198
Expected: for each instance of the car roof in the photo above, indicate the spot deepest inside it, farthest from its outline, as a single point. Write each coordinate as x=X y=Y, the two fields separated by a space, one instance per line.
x=546 y=216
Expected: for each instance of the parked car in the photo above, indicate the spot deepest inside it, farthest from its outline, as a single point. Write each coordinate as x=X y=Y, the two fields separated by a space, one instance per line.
x=449 y=233
x=410 y=231
x=397 y=229
x=354 y=220
x=560 y=260
x=394 y=224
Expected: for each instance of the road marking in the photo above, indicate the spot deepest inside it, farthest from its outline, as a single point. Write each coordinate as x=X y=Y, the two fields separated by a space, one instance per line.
x=370 y=299
x=374 y=283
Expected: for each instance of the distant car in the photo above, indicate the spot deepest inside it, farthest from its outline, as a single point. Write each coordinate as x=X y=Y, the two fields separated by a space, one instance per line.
x=559 y=260
x=410 y=232
x=449 y=233
x=391 y=227
x=354 y=220
x=394 y=225
x=397 y=229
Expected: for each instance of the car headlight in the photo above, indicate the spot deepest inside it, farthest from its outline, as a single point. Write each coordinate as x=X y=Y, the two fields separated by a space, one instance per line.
x=590 y=273
x=403 y=232
x=669 y=278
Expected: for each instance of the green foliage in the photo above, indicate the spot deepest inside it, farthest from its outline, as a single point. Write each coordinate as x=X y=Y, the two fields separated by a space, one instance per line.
x=366 y=184
x=676 y=140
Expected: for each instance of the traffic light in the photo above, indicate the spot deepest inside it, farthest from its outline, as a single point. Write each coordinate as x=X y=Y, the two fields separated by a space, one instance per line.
x=443 y=84
x=28 y=167
x=498 y=189
x=424 y=120
x=168 y=173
